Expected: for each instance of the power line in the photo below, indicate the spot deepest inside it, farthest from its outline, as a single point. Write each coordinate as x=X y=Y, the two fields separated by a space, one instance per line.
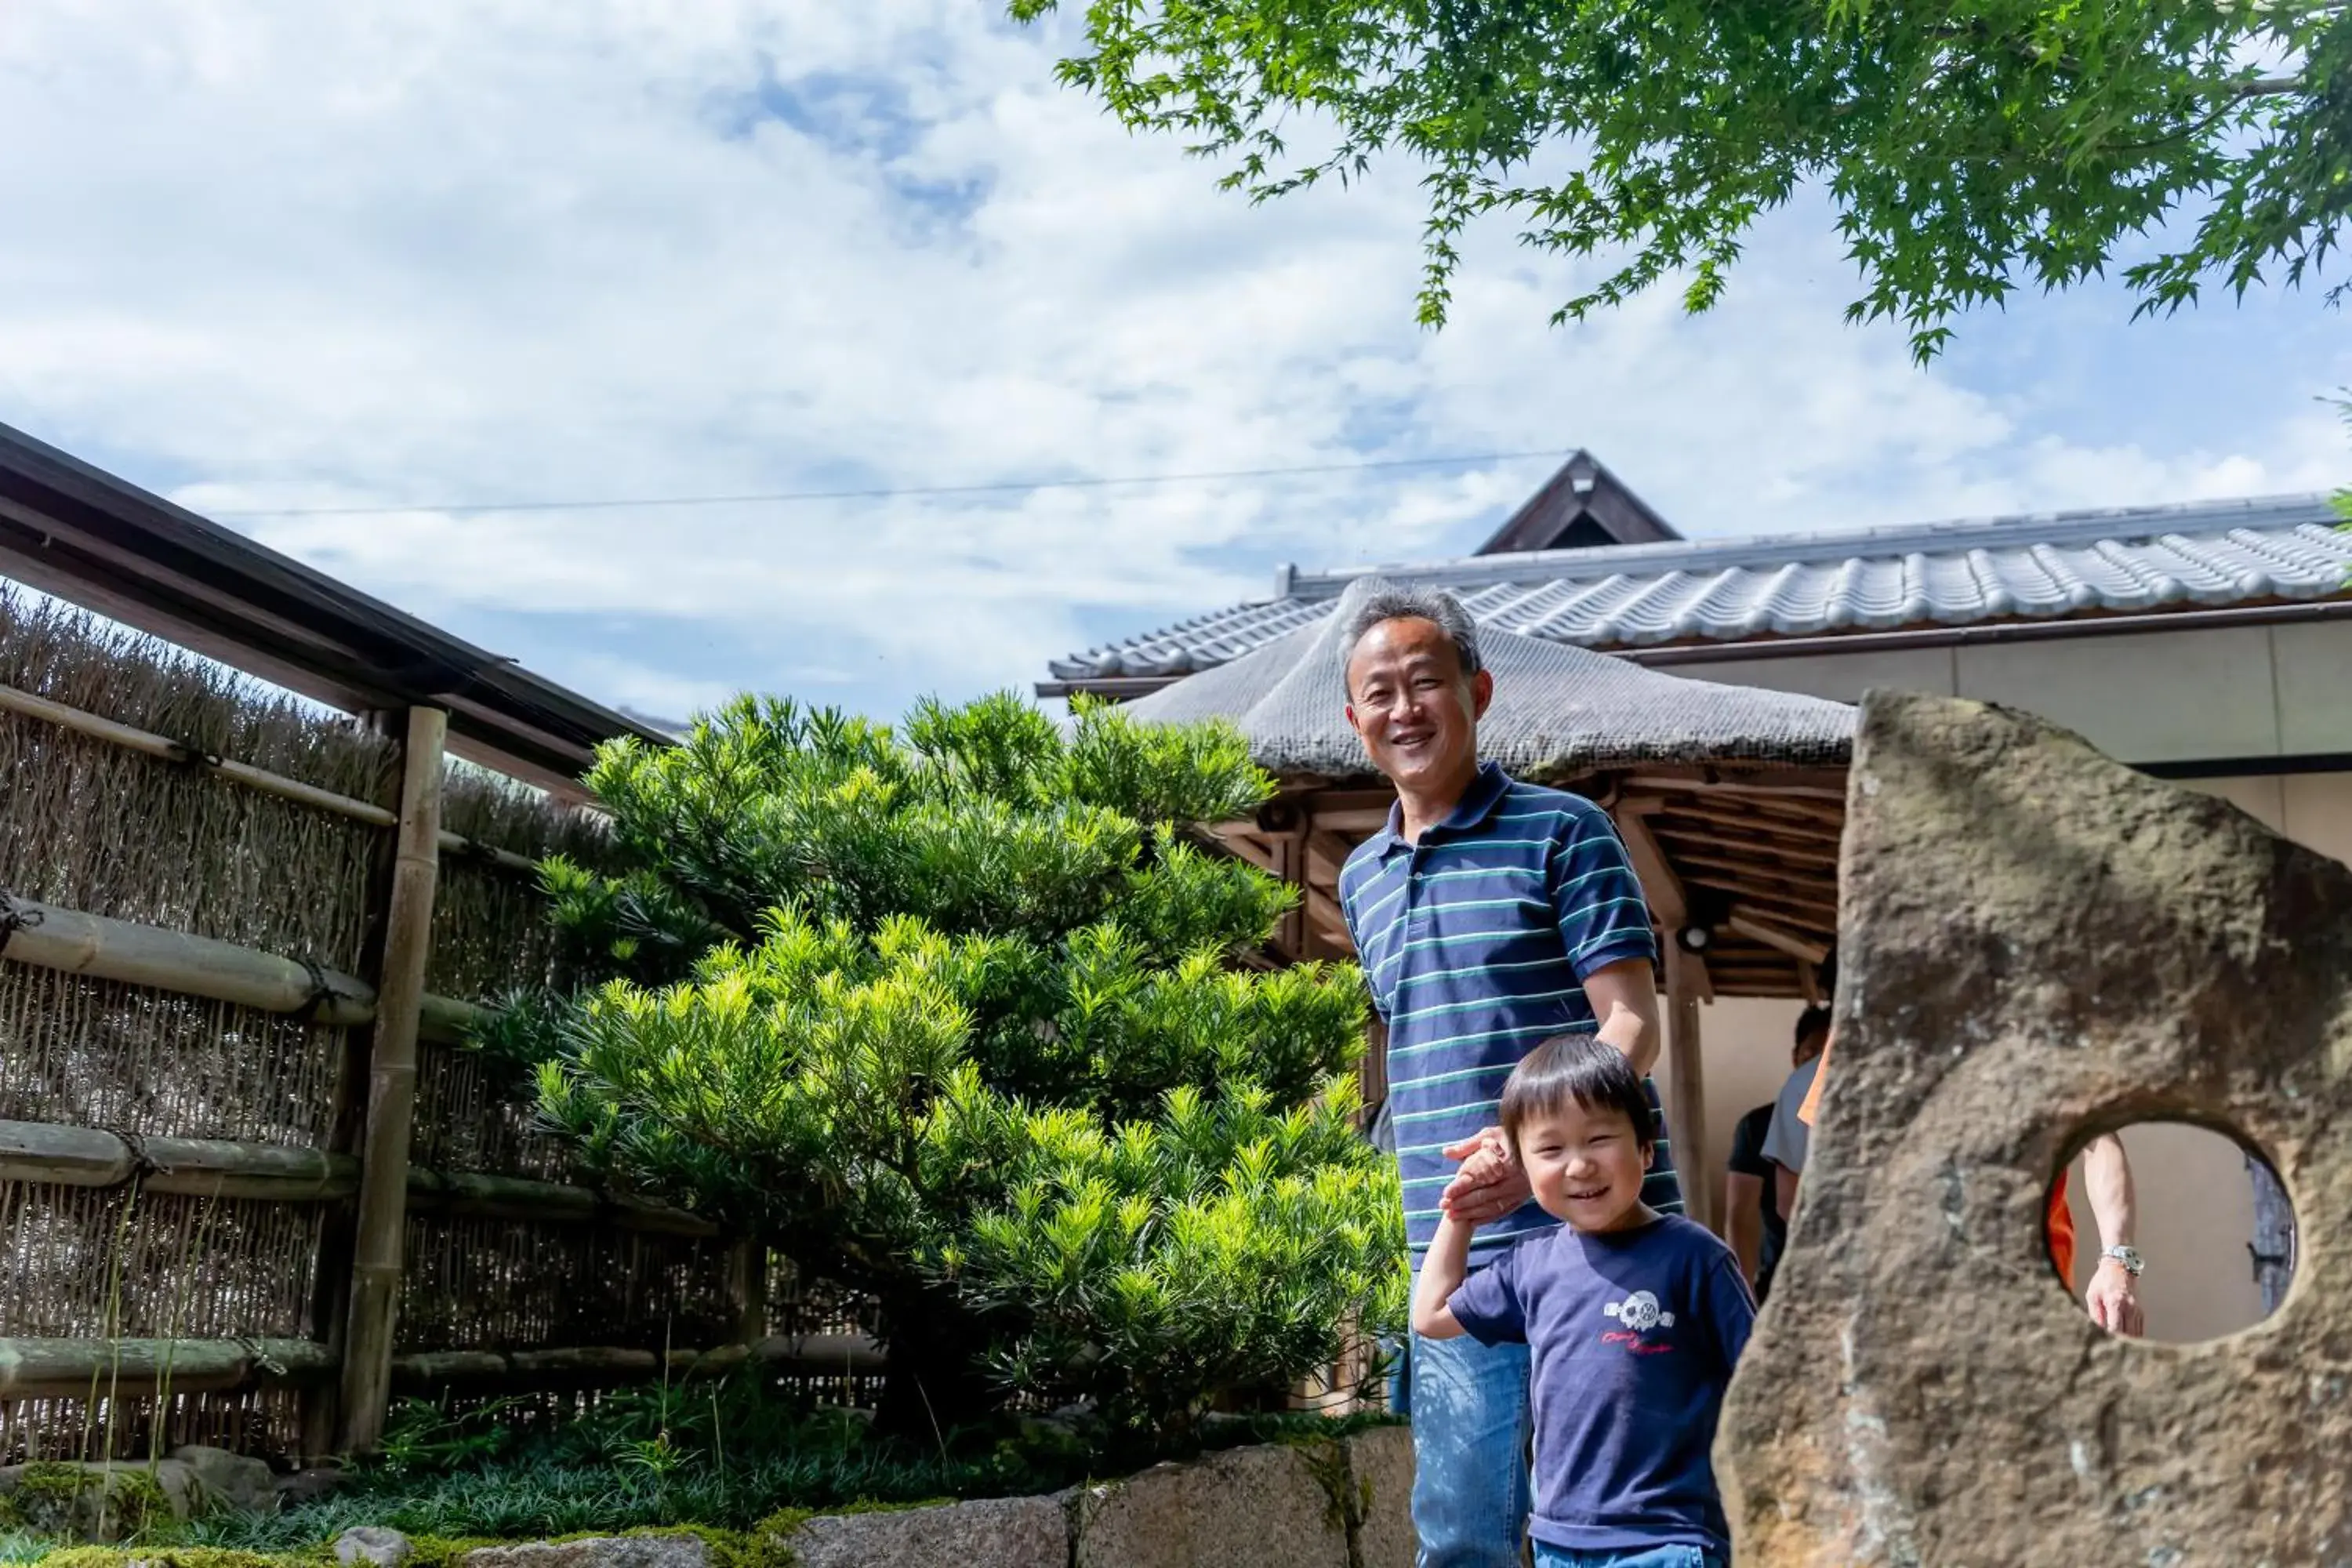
x=1004 y=486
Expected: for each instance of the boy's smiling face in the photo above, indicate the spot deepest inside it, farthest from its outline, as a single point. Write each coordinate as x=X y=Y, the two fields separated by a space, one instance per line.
x=1586 y=1167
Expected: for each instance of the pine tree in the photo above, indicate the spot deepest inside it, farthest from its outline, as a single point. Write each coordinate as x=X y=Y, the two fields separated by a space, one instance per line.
x=953 y=1015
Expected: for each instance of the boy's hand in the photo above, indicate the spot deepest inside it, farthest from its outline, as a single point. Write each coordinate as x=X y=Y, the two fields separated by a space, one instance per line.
x=1490 y=1182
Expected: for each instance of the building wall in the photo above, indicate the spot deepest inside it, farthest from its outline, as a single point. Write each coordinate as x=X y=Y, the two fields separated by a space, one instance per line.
x=2235 y=693
x=2243 y=693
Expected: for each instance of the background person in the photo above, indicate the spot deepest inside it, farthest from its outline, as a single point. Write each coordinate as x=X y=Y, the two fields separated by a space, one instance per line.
x=2112 y=1296
x=1754 y=1222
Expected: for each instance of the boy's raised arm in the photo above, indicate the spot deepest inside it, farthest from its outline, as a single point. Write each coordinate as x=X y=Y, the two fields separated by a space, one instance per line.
x=1441 y=1275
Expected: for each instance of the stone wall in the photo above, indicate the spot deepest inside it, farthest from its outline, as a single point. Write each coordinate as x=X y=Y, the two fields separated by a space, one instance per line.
x=1344 y=1503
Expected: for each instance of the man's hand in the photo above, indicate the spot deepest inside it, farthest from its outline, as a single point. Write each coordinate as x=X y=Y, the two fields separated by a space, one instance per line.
x=2113 y=1298
x=1489 y=1185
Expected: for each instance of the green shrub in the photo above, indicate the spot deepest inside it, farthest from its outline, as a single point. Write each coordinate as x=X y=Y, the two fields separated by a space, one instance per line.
x=955 y=1017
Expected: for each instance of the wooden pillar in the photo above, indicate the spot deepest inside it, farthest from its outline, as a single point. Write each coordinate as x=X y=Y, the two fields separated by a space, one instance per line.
x=747 y=1289
x=1687 y=1060
x=392 y=1089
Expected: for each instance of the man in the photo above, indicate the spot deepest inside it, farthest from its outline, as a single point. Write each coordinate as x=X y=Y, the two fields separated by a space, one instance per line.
x=1756 y=1224
x=1488 y=915
x=2112 y=1296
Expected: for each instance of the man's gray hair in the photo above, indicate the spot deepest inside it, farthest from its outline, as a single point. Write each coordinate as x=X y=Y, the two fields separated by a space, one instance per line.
x=1417 y=604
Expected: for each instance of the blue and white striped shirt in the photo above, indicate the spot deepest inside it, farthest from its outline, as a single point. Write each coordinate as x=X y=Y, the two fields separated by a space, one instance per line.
x=1475 y=943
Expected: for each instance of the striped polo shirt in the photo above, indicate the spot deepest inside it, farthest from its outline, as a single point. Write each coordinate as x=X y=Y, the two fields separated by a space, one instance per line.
x=1475 y=943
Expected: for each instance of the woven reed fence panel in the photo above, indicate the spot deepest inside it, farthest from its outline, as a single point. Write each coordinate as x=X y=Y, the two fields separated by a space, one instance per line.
x=93 y=827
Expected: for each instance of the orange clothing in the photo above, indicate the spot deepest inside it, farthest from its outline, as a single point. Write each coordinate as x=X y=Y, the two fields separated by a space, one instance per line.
x=2059 y=1220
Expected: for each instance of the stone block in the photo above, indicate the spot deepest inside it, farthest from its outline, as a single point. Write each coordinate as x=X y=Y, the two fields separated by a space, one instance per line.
x=597 y=1552
x=225 y=1480
x=1279 y=1506
x=371 y=1547
x=2038 y=945
x=996 y=1532
x=1380 y=1464
x=99 y=1502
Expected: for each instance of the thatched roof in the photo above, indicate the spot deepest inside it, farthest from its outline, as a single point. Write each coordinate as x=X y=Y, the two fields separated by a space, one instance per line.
x=1559 y=710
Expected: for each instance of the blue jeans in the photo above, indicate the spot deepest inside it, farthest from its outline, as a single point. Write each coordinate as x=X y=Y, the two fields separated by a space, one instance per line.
x=1471 y=1428
x=1640 y=1557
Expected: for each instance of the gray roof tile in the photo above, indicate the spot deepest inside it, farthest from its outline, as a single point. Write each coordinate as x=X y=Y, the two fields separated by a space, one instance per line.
x=1952 y=574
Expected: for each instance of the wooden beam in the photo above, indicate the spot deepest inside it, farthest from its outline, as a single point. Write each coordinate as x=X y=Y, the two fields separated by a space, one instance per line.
x=1822 y=915
x=1756 y=928
x=392 y=1089
x=1757 y=816
x=1358 y=820
x=1749 y=843
x=1792 y=876
x=1242 y=840
x=1688 y=1065
x=1326 y=848
x=1659 y=884
x=1810 y=785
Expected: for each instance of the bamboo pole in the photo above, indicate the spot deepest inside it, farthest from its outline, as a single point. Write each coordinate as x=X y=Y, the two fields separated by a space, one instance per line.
x=392 y=1088
x=260 y=780
x=64 y=1156
x=51 y=937
x=70 y=1368
x=106 y=949
x=806 y=1356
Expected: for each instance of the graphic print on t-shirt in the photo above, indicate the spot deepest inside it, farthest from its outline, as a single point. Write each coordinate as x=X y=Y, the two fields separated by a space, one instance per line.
x=1639 y=1312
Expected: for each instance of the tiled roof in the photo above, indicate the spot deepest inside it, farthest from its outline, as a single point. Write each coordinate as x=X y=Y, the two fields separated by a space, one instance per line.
x=1940 y=574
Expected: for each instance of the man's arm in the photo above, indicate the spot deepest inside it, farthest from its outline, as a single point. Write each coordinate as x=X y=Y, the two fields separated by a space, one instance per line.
x=1442 y=1273
x=1624 y=999
x=1743 y=1221
x=2114 y=1295
x=1784 y=1185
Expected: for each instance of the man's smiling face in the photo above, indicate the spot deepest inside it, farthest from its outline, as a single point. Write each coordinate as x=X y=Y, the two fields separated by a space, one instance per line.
x=1417 y=711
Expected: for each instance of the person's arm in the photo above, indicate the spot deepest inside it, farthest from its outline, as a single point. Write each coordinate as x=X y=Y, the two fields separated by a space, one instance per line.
x=1442 y=1273
x=1490 y=1184
x=1743 y=1221
x=1624 y=998
x=2113 y=1298
x=1784 y=1186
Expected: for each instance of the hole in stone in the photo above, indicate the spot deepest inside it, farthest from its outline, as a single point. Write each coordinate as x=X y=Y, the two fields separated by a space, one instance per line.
x=2209 y=1220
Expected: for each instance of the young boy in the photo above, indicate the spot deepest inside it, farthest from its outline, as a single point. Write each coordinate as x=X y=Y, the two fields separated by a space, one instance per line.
x=1633 y=1319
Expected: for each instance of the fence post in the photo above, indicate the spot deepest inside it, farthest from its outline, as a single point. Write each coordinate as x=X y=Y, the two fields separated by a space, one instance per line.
x=392 y=1089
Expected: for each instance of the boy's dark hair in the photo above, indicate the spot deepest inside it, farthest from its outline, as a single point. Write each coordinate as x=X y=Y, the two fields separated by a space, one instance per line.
x=1584 y=1068
x=1812 y=1024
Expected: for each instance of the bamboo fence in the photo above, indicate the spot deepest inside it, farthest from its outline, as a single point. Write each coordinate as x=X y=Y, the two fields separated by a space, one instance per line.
x=253 y=1185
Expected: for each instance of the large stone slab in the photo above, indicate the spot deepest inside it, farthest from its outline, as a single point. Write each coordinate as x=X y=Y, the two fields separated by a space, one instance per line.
x=1279 y=1506
x=1379 y=1462
x=999 y=1533
x=2036 y=946
x=596 y=1551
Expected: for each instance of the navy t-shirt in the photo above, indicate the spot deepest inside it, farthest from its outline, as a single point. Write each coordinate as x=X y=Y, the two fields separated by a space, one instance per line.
x=1634 y=1335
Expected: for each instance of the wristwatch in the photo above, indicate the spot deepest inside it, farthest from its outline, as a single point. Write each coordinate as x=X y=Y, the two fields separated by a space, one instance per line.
x=2134 y=1264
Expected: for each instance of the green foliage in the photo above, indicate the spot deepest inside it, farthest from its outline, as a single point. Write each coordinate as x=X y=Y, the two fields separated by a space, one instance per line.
x=1969 y=146
x=954 y=1017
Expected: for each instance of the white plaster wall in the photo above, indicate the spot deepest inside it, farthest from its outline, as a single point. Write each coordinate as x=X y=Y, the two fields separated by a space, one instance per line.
x=2153 y=697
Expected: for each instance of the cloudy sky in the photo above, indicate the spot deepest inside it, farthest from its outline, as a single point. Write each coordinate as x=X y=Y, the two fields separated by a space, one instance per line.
x=273 y=254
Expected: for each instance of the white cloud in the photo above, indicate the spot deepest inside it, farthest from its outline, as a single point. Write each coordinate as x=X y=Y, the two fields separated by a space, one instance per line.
x=287 y=255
